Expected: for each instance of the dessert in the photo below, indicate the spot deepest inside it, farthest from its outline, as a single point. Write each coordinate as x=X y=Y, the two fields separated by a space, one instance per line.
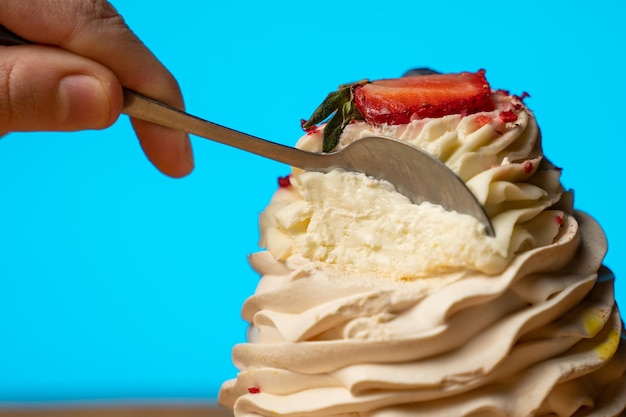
x=369 y=305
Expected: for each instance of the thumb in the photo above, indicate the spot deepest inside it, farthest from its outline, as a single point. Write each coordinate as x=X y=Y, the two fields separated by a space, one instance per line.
x=47 y=88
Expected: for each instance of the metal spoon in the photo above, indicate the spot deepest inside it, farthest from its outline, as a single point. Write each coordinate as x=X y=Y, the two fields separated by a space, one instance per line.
x=412 y=171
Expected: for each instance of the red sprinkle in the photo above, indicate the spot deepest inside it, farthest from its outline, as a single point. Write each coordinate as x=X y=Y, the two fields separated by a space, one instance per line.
x=528 y=167
x=284 y=182
x=254 y=390
x=508 y=116
x=309 y=130
x=559 y=220
x=482 y=120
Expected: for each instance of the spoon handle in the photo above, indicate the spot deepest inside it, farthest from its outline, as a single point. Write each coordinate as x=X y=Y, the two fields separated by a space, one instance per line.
x=145 y=108
x=8 y=38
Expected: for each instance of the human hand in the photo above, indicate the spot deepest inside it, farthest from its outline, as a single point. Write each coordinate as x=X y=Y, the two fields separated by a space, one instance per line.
x=72 y=78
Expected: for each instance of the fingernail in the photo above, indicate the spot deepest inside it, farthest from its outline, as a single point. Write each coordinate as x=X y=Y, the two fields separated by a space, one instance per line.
x=185 y=162
x=85 y=101
x=189 y=151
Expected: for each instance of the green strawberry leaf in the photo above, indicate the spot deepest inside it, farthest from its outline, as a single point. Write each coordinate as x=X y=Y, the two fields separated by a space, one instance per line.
x=339 y=104
x=331 y=103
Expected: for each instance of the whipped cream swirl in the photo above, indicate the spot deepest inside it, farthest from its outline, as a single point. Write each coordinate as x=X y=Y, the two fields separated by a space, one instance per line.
x=369 y=305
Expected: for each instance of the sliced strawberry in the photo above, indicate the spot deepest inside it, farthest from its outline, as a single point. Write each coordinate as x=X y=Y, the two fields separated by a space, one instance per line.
x=397 y=101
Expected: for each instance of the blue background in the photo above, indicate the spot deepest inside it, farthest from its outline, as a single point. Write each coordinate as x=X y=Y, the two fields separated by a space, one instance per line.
x=117 y=282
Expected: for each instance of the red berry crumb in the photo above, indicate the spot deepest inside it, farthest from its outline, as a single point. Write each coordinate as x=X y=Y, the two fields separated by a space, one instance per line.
x=559 y=220
x=309 y=130
x=508 y=116
x=482 y=120
x=254 y=390
x=528 y=167
x=284 y=182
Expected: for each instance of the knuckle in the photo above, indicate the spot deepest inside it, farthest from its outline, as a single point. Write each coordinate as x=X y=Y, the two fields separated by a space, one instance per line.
x=20 y=104
x=103 y=12
x=93 y=16
x=6 y=103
